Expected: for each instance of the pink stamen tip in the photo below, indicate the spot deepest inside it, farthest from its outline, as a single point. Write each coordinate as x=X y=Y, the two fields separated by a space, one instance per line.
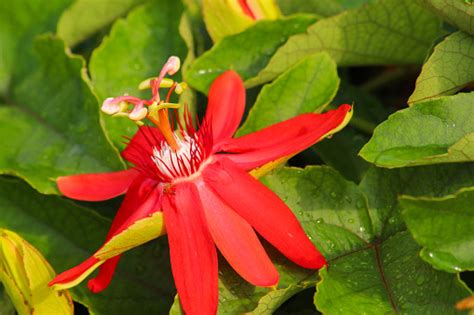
x=139 y=112
x=172 y=65
x=110 y=106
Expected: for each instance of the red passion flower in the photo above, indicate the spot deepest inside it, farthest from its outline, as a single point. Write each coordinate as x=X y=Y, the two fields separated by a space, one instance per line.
x=195 y=186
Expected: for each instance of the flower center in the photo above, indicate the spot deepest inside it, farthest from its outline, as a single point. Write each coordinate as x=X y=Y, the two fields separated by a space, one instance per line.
x=183 y=162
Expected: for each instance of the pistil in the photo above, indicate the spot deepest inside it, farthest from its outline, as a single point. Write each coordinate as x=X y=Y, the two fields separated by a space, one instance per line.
x=155 y=109
x=159 y=117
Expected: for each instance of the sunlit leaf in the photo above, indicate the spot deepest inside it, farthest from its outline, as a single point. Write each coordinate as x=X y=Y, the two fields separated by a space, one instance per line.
x=307 y=87
x=383 y=32
x=85 y=17
x=457 y=12
x=247 y=52
x=449 y=68
x=439 y=130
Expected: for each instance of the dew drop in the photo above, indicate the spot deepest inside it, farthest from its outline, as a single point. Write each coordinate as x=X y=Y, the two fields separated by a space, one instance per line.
x=350 y=221
x=334 y=194
x=319 y=221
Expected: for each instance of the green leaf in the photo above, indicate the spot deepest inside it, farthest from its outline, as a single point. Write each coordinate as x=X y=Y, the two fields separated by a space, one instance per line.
x=383 y=32
x=136 y=49
x=20 y=22
x=307 y=87
x=321 y=7
x=383 y=187
x=368 y=269
x=444 y=227
x=387 y=278
x=85 y=17
x=55 y=128
x=449 y=68
x=439 y=130
x=247 y=52
x=66 y=234
x=456 y=12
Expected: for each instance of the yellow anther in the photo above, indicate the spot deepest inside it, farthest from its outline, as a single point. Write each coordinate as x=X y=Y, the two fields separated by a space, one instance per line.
x=168 y=105
x=166 y=83
x=180 y=87
x=146 y=84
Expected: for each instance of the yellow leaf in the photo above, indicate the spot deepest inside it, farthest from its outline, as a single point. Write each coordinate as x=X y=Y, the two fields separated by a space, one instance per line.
x=25 y=274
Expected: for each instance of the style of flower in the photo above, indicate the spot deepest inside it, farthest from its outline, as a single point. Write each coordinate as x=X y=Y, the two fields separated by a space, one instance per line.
x=197 y=183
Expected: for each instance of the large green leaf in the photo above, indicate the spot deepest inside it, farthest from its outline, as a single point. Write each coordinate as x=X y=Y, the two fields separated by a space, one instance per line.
x=247 y=52
x=444 y=226
x=20 y=22
x=307 y=87
x=368 y=271
x=85 y=17
x=449 y=68
x=55 y=129
x=136 y=49
x=321 y=7
x=383 y=32
x=66 y=234
x=438 y=130
x=383 y=187
x=456 y=12
x=387 y=278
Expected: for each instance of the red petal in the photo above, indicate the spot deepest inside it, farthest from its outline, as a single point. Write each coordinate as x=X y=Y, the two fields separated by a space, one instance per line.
x=104 y=277
x=283 y=139
x=140 y=148
x=226 y=105
x=192 y=252
x=247 y=11
x=142 y=199
x=237 y=241
x=74 y=273
x=96 y=187
x=260 y=207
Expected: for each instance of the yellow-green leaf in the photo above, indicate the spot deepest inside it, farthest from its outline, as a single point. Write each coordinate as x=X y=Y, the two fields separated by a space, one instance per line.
x=449 y=68
x=25 y=273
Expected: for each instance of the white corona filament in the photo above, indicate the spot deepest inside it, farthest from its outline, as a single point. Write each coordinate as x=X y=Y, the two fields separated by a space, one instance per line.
x=181 y=163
